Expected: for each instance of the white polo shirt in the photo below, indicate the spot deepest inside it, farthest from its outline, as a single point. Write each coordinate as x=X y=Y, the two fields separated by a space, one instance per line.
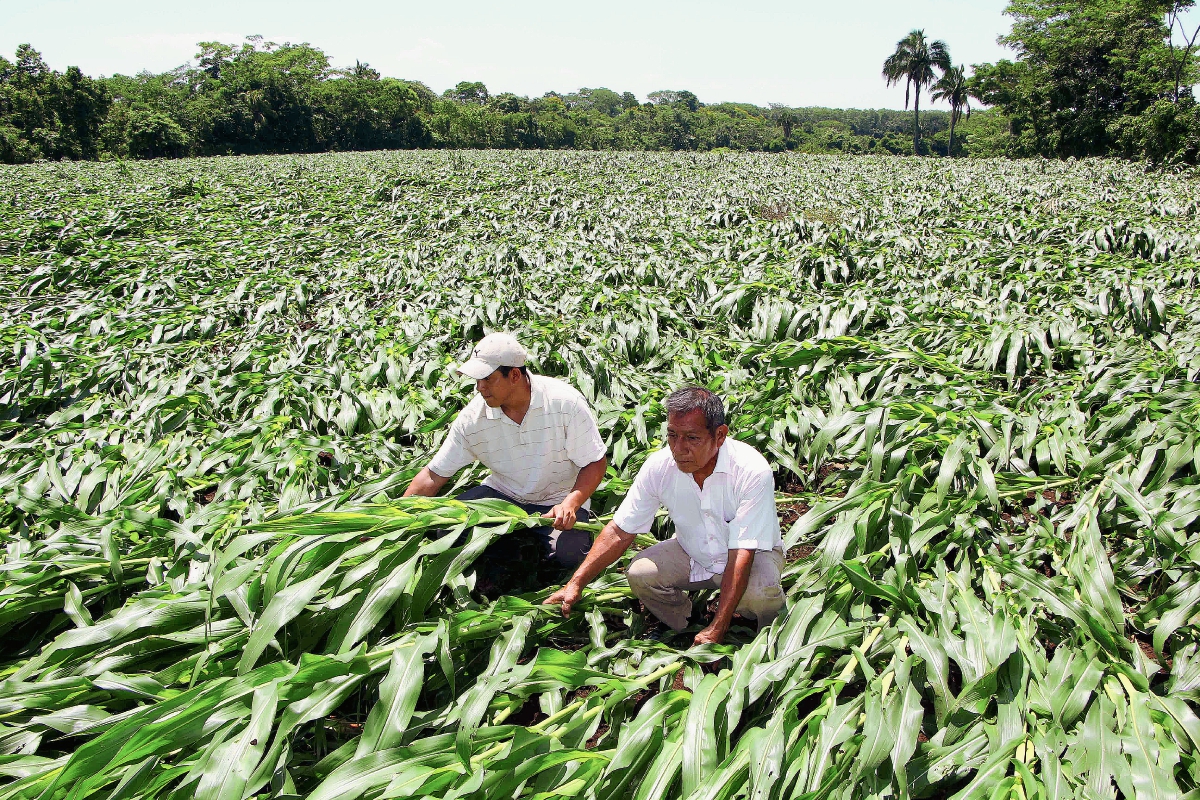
x=534 y=462
x=734 y=511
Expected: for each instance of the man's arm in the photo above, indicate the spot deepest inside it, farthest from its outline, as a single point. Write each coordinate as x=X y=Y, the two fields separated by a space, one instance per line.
x=585 y=483
x=426 y=484
x=733 y=586
x=608 y=547
x=453 y=455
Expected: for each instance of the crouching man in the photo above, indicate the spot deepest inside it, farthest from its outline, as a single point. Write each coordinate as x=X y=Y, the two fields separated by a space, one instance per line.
x=720 y=494
x=536 y=435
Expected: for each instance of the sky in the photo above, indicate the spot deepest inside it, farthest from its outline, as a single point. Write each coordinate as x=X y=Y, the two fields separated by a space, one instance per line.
x=798 y=53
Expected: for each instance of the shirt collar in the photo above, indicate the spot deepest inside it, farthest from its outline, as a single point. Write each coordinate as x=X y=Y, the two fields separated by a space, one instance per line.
x=536 y=394
x=723 y=458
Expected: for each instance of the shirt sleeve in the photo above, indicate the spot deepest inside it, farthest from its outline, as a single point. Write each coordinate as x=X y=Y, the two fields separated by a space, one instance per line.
x=637 y=510
x=584 y=444
x=453 y=455
x=755 y=526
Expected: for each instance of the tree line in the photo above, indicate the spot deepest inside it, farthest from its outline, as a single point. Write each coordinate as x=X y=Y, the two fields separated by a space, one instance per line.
x=1090 y=77
x=261 y=97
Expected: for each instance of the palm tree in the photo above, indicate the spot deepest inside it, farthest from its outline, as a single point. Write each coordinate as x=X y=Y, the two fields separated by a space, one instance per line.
x=913 y=62
x=953 y=89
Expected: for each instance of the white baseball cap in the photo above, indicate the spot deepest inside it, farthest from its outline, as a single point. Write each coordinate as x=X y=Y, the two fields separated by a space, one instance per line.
x=493 y=351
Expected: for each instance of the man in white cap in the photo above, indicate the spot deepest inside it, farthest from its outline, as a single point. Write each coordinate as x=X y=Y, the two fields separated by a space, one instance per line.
x=720 y=494
x=536 y=435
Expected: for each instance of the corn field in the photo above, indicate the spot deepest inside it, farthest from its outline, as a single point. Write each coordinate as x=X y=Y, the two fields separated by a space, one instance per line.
x=976 y=382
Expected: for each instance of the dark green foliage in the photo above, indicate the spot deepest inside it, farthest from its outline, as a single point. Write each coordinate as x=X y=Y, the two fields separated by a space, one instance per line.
x=469 y=92
x=1166 y=130
x=257 y=98
x=1095 y=77
x=45 y=114
x=142 y=133
x=261 y=97
x=369 y=114
x=601 y=119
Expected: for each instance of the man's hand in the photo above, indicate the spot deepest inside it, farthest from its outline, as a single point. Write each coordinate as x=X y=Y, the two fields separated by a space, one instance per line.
x=733 y=585
x=568 y=596
x=604 y=551
x=564 y=516
x=585 y=483
x=713 y=634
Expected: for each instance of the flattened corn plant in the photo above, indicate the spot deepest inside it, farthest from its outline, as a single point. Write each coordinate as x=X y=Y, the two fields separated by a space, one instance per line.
x=976 y=382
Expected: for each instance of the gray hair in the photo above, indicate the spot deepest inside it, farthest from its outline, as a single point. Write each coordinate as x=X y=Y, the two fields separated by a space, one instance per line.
x=695 y=398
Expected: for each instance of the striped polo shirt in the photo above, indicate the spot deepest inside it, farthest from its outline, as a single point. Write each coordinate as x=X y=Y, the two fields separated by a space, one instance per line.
x=534 y=462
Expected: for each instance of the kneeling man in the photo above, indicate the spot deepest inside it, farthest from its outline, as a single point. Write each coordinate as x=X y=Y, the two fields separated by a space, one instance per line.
x=720 y=494
x=536 y=435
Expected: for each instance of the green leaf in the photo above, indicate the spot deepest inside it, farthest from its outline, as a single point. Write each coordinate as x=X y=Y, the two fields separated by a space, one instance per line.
x=704 y=745
x=398 y=695
x=231 y=765
x=283 y=608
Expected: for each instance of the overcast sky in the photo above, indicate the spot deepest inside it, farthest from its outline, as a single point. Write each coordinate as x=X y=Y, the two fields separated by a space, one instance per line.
x=800 y=53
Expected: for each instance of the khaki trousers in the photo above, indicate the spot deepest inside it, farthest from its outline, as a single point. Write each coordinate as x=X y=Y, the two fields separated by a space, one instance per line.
x=660 y=576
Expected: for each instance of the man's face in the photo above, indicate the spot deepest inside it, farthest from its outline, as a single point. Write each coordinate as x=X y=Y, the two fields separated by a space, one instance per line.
x=690 y=441
x=496 y=389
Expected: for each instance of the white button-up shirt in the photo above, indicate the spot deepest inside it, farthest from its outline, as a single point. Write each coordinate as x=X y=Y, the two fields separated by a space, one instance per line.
x=534 y=462
x=734 y=511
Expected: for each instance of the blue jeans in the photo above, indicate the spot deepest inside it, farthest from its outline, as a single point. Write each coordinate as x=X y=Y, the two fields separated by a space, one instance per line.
x=567 y=548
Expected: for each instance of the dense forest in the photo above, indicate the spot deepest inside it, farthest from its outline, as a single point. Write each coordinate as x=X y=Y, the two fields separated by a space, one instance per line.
x=1090 y=77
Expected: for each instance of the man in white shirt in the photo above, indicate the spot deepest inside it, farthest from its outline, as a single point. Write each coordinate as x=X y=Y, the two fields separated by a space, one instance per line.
x=536 y=435
x=720 y=494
